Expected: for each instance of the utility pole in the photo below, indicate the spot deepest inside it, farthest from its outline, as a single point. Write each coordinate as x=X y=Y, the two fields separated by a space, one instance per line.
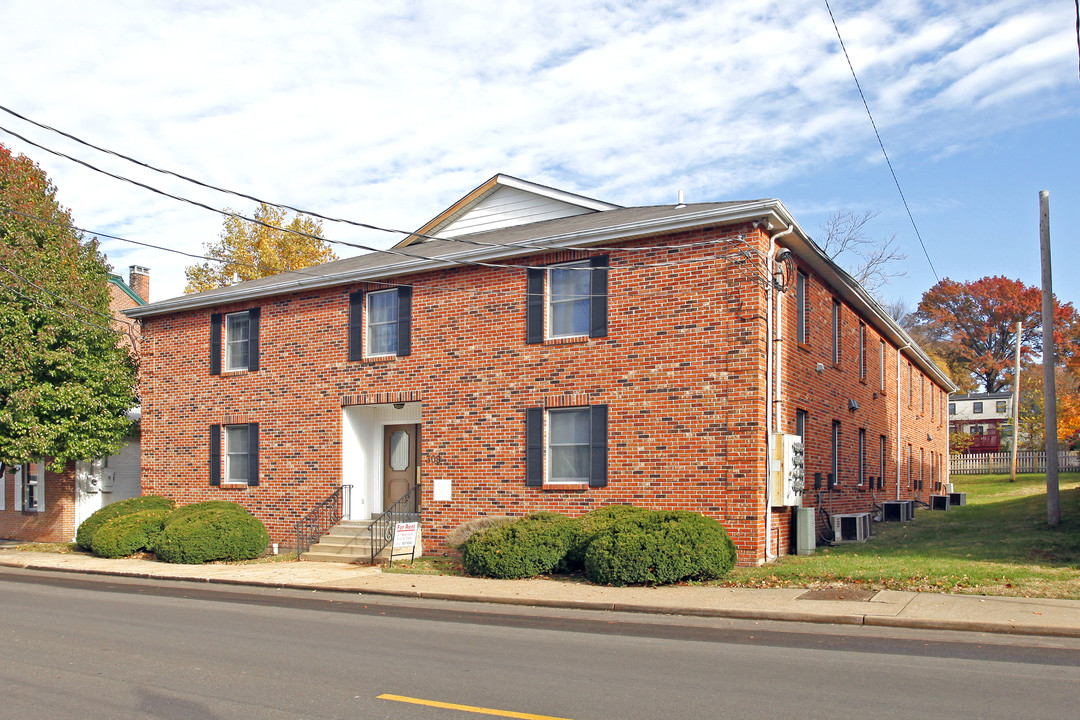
x=1053 y=504
x=1016 y=403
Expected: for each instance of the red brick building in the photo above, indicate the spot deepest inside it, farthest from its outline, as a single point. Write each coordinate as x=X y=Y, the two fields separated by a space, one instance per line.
x=531 y=349
x=39 y=505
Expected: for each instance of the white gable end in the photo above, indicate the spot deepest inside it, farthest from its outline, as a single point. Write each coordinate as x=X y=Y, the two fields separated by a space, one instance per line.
x=507 y=207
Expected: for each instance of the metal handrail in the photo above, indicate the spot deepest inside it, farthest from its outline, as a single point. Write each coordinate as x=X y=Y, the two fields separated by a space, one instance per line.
x=405 y=509
x=321 y=518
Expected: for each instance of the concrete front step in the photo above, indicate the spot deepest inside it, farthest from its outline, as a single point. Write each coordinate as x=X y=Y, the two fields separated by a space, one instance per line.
x=348 y=542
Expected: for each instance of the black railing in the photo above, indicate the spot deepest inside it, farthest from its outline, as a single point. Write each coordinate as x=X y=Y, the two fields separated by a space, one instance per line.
x=321 y=518
x=407 y=509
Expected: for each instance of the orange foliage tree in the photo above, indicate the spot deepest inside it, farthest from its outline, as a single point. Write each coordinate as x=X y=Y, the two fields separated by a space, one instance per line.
x=974 y=323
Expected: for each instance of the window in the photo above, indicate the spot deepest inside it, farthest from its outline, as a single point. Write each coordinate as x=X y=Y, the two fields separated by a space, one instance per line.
x=800 y=426
x=952 y=408
x=922 y=394
x=976 y=429
x=862 y=351
x=3 y=488
x=566 y=446
x=1001 y=407
x=380 y=323
x=909 y=466
x=862 y=456
x=910 y=385
x=240 y=463
x=241 y=341
x=836 y=452
x=881 y=365
x=836 y=332
x=976 y=408
x=28 y=486
x=801 y=334
x=568 y=300
x=881 y=460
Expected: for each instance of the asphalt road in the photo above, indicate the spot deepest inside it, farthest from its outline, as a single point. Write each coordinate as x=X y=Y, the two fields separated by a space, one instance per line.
x=91 y=647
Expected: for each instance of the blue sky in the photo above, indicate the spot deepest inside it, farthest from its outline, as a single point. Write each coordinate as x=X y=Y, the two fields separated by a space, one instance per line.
x=388 y=112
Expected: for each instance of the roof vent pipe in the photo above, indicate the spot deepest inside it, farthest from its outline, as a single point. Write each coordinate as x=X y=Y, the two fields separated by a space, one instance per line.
x=681 y=203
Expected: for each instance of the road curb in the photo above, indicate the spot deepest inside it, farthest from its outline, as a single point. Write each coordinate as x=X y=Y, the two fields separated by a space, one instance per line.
x=604 y=606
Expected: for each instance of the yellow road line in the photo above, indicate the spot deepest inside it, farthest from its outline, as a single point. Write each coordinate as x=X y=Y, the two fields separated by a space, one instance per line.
x=468 y=708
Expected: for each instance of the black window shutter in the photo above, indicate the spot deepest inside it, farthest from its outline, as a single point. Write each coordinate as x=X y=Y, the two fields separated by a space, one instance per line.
x=253 y=453
x=598 y=445
x=598 y=301
x=215 y=454
x=404 y=320
x=534 y=447
x=253 y=338
x=534 y=306
x=215 y=344
x=356 y=326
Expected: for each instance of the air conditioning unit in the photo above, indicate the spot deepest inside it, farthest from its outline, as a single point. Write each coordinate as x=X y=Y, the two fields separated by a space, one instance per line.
x=788 y=471
x=851 y=527
x=939 y=502
x=896 y=510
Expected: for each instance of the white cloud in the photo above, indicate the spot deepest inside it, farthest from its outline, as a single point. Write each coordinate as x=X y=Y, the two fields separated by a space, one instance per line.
x=387 y=112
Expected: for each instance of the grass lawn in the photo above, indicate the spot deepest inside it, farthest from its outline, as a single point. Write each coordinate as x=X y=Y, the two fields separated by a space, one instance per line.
x=997 y=544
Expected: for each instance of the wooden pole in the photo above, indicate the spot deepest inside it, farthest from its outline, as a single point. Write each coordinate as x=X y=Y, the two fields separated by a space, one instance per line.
x=1053 y=504
x=1016 y=402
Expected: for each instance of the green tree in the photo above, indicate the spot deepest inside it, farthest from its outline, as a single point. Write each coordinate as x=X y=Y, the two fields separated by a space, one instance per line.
x=66 y=382
x=249 y=250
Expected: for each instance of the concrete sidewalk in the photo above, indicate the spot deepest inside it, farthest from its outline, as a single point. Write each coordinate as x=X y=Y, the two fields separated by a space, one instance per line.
x=977 y=613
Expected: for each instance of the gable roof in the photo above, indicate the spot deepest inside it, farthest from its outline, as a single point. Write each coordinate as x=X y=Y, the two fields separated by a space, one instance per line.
x=504 y=201
x=118 y=281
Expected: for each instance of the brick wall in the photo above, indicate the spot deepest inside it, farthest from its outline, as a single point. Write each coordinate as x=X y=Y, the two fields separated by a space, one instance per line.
x=682 y=371
x=55 y=524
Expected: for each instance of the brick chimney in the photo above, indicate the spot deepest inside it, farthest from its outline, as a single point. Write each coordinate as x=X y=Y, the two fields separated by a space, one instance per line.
x=139 y=281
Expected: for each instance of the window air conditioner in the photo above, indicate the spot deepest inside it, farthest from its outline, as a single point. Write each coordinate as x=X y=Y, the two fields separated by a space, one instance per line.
x=851 y=527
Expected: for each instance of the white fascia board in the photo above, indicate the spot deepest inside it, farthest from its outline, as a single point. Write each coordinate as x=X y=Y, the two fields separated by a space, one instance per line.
x=773 y=209
x=554 y=193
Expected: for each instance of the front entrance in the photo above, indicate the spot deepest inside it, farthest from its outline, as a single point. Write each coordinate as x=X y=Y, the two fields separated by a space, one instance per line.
x=399 y=462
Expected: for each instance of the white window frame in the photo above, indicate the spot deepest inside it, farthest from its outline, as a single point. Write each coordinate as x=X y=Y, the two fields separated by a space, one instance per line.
x=3 y=489
x=23 y=483
x=234 y=348
x=549 y=305
x=862 y=350
x=881 y=365
x=229 y=453
x=549 y=454
x=368 y=325
x=861 y=475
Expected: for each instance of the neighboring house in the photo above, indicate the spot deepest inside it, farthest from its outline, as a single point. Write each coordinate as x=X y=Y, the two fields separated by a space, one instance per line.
x=987 y=417
x=532 y=349
x=39 y=505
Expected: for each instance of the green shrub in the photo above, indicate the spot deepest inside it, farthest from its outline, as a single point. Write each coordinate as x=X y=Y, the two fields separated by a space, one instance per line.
x=529 y=546
x=127 y=534
x=212 y=532
x=659 y=548
x=592 y=524
x=184 y=511
x=457 y=537
x=84 y=537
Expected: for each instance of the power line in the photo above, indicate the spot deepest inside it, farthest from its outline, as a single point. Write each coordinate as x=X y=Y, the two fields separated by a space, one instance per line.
x=227 y=191
x=880 y=143
x=61 y=298
x=60 y=312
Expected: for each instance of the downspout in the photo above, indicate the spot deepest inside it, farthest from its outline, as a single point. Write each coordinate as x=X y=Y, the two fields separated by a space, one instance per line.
x=771 y=376
x=899 y=351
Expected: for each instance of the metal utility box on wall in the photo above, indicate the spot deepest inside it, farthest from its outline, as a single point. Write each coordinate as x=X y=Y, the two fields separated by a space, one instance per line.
x=788 y=475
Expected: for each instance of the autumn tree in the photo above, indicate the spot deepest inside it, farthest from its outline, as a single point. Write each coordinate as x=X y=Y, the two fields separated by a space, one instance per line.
x=66 y=382
x=1031 y=434
x=248 y=250
x=953 y=365
x=872 y=262
x=973 y=324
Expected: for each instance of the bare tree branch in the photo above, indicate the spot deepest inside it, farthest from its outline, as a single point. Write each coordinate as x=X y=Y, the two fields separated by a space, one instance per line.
x=871 y=262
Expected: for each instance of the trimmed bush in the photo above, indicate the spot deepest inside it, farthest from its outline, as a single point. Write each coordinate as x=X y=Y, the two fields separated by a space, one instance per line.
x=592 y=524
x=212 y=532
x=659 y=548
x=457 y=537
x=127 y=534
x=84 y=537
x=529 y=546
x=185 y=511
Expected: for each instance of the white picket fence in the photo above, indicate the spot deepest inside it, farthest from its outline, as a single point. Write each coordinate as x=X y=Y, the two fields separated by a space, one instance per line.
x=1001 y=463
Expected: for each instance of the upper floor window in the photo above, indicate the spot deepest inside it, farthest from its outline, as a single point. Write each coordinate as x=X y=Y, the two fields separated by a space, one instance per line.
x=380 y=323
x=881 y=365
x=976 y=408
x=836 y=334
x=241 y=341
x=801 y=334
x=952 y=408
x=1001 y=407
x=568 y=300
x=862 y=351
